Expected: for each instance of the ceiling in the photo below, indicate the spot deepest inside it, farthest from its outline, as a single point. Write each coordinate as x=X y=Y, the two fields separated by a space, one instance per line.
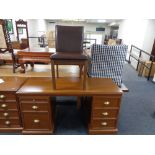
x=109 y=22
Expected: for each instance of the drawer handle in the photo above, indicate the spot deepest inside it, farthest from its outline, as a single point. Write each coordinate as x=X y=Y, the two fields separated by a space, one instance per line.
x=2 y=96
x=34 y=107
x=3 y=105
x=5 y=114
x=36 y=121
x=104 y=123
x=107 y=103
x=7 y=122
x=34 y=100
x=105 y=113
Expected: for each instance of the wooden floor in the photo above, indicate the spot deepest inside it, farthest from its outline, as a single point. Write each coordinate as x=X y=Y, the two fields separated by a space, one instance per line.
x=40 y=71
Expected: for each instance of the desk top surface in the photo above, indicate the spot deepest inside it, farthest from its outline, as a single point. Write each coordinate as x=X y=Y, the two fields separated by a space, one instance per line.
x=69 y=86
x=11 y=84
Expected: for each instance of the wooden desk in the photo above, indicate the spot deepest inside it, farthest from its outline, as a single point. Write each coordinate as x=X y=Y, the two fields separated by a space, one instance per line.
x=34 y=55
x=10 y=119
x=37 y=107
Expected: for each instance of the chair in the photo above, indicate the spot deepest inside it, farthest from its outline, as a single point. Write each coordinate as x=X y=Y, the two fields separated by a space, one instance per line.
x=107 y=61
x=69 y=50
x=5 y=44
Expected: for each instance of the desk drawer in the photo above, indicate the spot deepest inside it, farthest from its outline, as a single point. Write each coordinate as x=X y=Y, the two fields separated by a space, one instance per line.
x=8 y=114
x=103 y=102
x=105 y=113
x=8 y=106
x=7 y=97
x=34 y=99
x=103 y=123
x=37 y=121
x=35 y=107
x=9 y=123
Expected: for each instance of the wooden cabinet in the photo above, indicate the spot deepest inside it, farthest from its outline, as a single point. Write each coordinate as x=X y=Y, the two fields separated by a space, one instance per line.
x=36 y=114
x=9 y=109
x=104 y=114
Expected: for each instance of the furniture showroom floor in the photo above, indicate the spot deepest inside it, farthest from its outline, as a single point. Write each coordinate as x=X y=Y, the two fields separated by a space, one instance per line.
x=137 y=108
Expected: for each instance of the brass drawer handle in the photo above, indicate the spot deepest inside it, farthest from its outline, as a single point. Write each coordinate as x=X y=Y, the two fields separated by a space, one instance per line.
x=105 y=113
x=34 y=100
x=34 y=107
x=104 y=123
x=36 y=121
x=7 y=122
x=107 y=103
x=5 y=114
x=3 y=106
x=2 y=96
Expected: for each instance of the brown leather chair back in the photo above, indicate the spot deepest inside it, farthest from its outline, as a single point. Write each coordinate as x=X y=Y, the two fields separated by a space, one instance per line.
x=69 y=38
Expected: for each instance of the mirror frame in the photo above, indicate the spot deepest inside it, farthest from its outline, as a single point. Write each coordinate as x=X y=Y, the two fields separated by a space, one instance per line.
x=20 y=24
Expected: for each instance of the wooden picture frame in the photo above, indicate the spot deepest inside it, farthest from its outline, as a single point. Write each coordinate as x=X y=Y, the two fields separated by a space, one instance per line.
x=10 y=26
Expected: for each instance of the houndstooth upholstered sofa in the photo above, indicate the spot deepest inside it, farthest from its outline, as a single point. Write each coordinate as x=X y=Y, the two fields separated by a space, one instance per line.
x=107 y=61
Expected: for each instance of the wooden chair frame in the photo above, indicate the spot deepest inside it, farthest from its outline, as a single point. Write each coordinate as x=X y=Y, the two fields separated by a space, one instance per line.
x=8 y=47
x=81 y=63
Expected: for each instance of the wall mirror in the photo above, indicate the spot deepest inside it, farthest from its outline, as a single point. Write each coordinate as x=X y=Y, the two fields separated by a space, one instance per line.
x=22 y=33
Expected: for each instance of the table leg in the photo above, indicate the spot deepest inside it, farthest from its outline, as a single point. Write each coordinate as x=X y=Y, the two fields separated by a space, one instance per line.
x=22 y=68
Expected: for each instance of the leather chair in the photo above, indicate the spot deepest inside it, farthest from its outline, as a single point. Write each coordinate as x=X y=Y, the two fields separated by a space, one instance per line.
x=69 y=50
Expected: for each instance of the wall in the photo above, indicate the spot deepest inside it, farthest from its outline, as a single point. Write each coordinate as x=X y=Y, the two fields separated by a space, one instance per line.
x=149 y=36
x=132 y=32
x=140 y=33
x=88 y=27
x=35 y=26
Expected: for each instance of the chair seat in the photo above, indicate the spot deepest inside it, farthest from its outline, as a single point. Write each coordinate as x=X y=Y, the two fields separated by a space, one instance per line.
x=69 y=56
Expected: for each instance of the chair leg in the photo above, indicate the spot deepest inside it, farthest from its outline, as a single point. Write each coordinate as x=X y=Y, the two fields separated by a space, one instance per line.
x=57 y=71
x=80 y=72
x=14 y=68
x=85 y=75
x=78 y=102
x=53 y=75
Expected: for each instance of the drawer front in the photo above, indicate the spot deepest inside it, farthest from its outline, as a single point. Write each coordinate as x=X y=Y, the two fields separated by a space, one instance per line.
x=34 y=99
x=104 y=102
x=105 y=113
x=34 y=107
x=8 y=114
x=8 y=106
x=37 y=121
x=9 y=123
x=103 y=123
x=7 y=97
